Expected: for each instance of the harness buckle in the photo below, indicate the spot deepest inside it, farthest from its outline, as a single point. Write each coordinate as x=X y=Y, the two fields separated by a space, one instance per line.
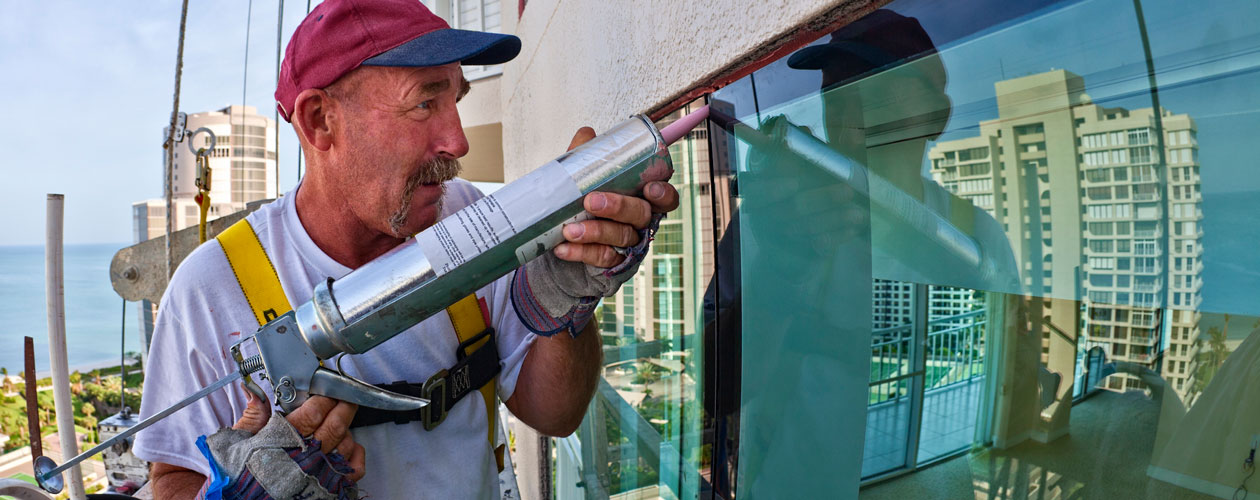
x=435 y=385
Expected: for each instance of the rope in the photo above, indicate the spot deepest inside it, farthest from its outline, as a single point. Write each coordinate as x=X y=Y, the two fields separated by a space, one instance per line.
x=169 y=145
x=299 y=153
x=242 y=144
x=276 y=110
x=122 y=386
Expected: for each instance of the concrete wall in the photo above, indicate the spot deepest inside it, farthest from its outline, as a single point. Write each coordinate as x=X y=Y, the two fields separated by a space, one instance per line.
x=596 y=62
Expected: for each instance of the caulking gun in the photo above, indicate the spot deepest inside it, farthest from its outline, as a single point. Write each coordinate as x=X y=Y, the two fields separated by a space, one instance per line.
x=417 y=279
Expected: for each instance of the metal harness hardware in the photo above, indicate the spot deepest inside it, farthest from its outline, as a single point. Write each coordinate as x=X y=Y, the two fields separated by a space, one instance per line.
x=444 y=389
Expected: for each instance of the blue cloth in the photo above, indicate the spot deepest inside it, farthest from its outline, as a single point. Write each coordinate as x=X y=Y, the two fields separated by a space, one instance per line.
x=218 y=478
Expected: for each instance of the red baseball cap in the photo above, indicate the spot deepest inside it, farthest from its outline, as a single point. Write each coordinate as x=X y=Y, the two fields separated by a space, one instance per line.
x=341 y=35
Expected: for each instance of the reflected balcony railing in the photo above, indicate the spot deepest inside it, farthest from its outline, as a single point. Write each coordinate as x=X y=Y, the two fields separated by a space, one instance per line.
x=1143 y=338
x=1148 y=269
x=1147 y=233
x=623 y=442
x=954 y=354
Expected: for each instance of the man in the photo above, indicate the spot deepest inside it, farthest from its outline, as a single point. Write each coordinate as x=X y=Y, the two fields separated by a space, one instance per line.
x=371 y=89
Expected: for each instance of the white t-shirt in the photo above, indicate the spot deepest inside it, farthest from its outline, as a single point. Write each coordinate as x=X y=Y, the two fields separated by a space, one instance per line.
x=204 y=313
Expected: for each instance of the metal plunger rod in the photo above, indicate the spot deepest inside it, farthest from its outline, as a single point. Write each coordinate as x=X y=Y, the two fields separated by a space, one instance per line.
x=206 y=391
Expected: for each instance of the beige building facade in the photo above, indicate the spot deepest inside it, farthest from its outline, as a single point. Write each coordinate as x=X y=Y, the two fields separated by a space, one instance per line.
x=1095 y=213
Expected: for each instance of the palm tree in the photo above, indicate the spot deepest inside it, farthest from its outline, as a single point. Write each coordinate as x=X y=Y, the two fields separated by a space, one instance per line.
x=1216 y=342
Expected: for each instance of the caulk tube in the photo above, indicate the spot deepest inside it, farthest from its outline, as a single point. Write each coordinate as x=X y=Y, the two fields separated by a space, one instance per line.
x=478 y=244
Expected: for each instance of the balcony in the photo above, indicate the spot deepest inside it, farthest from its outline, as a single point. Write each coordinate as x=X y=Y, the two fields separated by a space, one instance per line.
x=1148 y=233
x=953 y=378
x=1144 y=339
x=1148 y=287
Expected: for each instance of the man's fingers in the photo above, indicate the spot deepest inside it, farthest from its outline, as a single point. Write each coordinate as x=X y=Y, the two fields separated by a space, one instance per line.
x=662 y=195
x=627 y=209
x=310 y=415
x=357 y=458
x=602 y=231
x=345 y=447
x=583 y=134
x=589 y=253
x=336 y=426
x=256 y=414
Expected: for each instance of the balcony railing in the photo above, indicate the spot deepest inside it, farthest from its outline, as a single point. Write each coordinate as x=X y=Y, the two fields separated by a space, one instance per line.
x=954 y=354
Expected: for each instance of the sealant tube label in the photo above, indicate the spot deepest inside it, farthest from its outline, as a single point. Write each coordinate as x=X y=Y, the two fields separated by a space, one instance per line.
x=491 y=220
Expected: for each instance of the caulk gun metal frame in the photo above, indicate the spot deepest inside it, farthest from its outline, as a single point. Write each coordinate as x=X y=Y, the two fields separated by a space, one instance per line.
x=403 y=287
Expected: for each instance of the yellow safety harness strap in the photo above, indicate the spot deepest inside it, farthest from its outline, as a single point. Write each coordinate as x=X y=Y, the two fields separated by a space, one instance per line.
x=470 y=317
x=254 y=272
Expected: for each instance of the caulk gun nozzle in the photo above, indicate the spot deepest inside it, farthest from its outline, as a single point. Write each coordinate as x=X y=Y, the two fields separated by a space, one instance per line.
x=674 y=131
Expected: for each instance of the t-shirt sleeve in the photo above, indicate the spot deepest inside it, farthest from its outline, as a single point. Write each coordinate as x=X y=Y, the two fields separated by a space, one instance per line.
x=183 y=358
x=513 y=339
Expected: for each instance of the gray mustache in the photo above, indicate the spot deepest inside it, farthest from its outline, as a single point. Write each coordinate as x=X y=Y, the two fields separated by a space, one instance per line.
x=435 y=171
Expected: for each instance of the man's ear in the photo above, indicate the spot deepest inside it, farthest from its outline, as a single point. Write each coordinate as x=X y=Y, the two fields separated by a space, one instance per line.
x=313 y=117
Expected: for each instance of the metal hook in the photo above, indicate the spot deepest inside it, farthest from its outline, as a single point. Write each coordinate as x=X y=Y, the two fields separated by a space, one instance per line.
x=213 y=141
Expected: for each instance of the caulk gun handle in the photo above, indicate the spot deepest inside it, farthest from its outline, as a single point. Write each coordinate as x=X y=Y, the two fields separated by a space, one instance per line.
x=329 y=383
x=555 y=236
x=296 y=373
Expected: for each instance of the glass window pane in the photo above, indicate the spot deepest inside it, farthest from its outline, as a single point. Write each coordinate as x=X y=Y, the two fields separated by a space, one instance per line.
x=1043 y=156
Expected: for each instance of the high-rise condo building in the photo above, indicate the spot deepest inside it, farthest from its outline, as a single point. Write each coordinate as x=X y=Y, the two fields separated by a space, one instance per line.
x=1094 y=208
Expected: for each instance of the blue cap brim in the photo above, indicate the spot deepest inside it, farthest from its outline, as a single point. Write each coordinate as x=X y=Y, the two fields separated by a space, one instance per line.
x=446 y=46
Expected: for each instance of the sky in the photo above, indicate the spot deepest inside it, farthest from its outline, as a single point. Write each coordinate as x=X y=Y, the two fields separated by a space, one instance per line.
x=87 y=88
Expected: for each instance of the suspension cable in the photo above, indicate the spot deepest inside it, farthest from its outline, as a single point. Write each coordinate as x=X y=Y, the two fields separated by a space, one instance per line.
x=249 y=16
x=122 y=386
x=299 y=153
x=276 y=110
x=169 y=145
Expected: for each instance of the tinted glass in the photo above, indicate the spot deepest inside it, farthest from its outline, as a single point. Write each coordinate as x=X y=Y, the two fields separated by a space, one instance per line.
x=1067 y=185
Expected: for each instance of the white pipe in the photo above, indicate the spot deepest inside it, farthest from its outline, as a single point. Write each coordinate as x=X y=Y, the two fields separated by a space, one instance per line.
x=54 y=288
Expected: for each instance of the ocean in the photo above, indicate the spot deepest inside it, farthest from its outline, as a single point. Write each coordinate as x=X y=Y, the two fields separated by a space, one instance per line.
x=93 y=311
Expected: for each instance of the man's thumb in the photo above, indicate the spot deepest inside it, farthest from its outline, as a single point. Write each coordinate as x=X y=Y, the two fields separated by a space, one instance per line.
x=256 y=414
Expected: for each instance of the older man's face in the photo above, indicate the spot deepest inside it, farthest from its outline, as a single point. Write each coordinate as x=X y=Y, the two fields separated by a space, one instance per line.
x=401 y=139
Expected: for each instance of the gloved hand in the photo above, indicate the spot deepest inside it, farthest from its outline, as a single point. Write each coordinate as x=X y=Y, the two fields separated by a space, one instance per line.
x=560 y=289
x=551 y=294
x=275 y=461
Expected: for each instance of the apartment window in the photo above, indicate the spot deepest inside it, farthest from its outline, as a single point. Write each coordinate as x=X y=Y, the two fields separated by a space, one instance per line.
x=1094 y=140
x=476 y=15
x=1140 y=136
x=1098 y=175
x=1101 y=246
x=1099 y=193
x=1102 y=262
x=1140 y=155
